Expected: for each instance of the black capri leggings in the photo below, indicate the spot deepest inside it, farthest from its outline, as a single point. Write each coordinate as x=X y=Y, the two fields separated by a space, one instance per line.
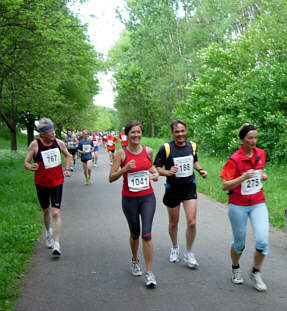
x=133 y=207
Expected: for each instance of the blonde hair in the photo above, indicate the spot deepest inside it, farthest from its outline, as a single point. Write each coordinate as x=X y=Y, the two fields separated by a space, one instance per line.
x=241 y=127
x=43 y=122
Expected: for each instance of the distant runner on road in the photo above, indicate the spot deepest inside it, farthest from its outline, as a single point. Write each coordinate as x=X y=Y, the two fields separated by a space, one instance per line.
x=242 y=176
x=85 y=149
x=110 y=142
x=138 y=199
x=179 y=159
x=49 y=178
x=95 y=140
x=123 y=138
x=71 y=142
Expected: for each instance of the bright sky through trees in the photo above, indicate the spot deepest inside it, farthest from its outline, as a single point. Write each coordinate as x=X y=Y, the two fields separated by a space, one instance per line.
x=104 y=30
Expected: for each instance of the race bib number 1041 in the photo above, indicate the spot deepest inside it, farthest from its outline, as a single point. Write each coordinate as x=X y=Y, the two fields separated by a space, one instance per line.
x=138 y=181
x=51 y=157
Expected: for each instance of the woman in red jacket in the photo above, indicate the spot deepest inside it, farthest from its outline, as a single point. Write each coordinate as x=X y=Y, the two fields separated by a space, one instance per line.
x=138 y=201
x=242 y=176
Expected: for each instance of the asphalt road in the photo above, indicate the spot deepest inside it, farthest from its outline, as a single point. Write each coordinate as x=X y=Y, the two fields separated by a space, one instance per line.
x=93 y=271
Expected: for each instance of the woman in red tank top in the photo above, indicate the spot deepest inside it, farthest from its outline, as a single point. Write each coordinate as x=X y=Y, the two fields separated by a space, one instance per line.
x=135 y=165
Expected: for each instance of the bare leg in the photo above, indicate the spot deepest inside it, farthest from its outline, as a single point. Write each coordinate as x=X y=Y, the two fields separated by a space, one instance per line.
x=57 y=222
x=134 y=244
x=85 y=170
x=234 y=257
x=47 y=218
x=89 y=168
x=173 y=215
x=190 y=212
x=258 y=260
x=148 y=254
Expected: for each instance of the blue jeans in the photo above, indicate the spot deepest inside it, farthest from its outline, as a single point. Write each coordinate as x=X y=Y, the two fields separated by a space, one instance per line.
x=258 y=215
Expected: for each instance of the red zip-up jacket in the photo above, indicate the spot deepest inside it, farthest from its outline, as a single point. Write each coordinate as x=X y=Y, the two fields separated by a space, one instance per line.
x=243 y=164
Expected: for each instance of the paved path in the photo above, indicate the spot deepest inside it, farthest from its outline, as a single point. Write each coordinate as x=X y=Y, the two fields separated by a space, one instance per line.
x=93 y=272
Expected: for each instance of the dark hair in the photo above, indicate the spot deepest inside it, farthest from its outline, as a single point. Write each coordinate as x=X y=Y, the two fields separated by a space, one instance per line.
x=131 y=124
x=176 y=122
x=245 y=129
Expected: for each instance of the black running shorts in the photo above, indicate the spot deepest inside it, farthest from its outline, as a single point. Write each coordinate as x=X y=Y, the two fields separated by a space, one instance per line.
x=72 y=151
x=175 y=194
x=49 y=196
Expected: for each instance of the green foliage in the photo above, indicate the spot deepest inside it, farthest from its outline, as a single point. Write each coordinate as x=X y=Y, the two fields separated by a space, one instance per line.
x=162 y=45
x=47 y=65
x=20 y=224
x=244 y=81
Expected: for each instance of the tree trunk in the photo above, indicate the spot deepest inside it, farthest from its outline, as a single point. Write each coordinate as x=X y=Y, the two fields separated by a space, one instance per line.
x=58 y=133
x=151 y=126
x=13 y=130
x=30 y=130
x=13 y=139
x=11 y=124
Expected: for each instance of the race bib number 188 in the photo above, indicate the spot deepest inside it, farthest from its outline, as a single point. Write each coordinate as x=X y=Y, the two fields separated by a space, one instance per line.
x=184 y=165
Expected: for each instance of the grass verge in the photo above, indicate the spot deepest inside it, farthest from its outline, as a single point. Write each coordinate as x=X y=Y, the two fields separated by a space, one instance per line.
x=20 y=223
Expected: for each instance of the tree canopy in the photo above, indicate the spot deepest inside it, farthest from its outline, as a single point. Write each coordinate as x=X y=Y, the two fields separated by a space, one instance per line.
x=47 y=65
x=214 y=63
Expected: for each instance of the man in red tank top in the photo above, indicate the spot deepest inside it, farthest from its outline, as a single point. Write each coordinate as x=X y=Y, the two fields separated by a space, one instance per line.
x=49 y=178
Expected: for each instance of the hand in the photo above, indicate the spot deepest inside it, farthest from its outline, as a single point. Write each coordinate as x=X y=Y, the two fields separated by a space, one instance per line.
x=248 y=174
x=67 y=173
x=130 y=165
x=263 y=176
x=203 y=173
x=34 y=167
x=154 y=175
x=173 y=170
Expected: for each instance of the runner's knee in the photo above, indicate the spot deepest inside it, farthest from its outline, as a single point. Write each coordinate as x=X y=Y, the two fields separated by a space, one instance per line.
x=134 y=236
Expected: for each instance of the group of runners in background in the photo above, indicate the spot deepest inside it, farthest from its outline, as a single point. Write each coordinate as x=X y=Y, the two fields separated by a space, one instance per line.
x=177 y=160
x=85 y=145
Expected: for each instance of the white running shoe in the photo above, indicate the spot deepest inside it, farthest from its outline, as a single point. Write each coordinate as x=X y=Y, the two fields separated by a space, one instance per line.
x=190 y=260
x=257 y=280
x=150 y=280
x=135 y=268
x=56 y=249
x=49 y=239
x=236 y=276
x=174 y=254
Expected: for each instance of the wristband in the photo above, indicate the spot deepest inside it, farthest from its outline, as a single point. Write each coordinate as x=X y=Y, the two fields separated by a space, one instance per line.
x=66 y=170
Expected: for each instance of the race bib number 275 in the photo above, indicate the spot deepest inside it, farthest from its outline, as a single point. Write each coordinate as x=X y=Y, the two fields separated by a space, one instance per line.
x=253 y=184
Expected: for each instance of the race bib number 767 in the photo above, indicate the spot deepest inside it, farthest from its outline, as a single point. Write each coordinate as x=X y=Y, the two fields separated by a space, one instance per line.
x=51 y=157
